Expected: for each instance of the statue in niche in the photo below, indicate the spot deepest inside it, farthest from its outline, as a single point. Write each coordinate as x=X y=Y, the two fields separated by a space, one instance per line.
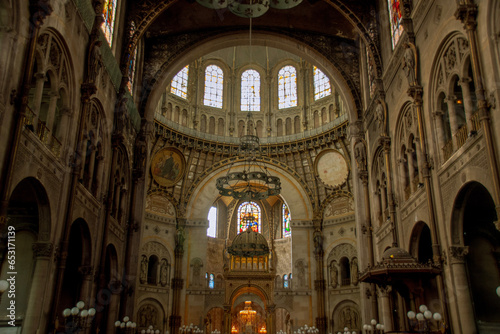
x=95 y=62
x=354 y=271
x=318 y=241
x=147 y=316
x=380 y=115
x=164 y=272
x=360 y=155
x=409 y=64
x=144 y=269
x=179 y=239
x=334 y=274
x=349 y=318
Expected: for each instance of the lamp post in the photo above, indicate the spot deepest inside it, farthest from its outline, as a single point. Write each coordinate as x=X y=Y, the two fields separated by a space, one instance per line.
x=125 y=326
x=307 y=330
x=150 y=330
x=191 y=329
x=421 y=321
x=374 y=327
x=77 y=318
x=347 y=331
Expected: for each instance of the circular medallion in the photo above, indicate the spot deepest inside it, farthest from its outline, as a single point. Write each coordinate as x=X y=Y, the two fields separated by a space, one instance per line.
x=168 y=166
x=331 y=168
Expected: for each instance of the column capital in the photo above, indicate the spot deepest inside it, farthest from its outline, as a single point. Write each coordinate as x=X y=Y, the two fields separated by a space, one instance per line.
x=458 y=253
x=42 y=249
x=467 y=14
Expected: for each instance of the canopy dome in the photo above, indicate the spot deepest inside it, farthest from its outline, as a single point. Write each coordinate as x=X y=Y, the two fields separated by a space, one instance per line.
x=248 y=244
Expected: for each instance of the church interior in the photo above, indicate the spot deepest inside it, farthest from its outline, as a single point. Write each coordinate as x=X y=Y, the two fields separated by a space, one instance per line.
x=249 y=166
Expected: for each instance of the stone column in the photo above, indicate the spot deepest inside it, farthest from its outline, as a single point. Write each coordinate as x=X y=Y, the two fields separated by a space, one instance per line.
x=386 y=316
x=464 y=302
x=36 y=316
x=450 y=101
x=227 y=320
x=464 y=83
x=87 y=273
x=51 y=113
x=319 y=282
x=177 y=281
x=438 y=115
x=37 y=99
x=411 y=161
x=271 y=318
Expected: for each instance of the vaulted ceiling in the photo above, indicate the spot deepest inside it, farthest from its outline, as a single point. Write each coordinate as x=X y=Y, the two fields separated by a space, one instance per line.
x=332 y=28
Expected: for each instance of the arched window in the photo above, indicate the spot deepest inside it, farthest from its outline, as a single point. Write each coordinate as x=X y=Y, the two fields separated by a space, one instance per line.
x=180 y=83
x=322 y=86
x=109 y=12
x=131 y=71
x=287 y=231
x=287 y=87
x=212 y=222
x=395 y=20
x=152 y=269
x=211 y=281
x=345 y=271
x=249 y=217
x=250 y=91
x=285 y=281
x=214 y=78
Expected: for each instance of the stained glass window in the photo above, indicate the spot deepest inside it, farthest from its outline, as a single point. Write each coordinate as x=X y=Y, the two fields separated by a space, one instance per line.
x=322 y=86
x=250 y=91
x=285 y=281
x=180 y=83
x=214 y=79
x=286 y=221
x=287 y=87
x=249 y=216
x=109 y=11
x=211 y=281
x=131 y=70
x=395 y=19
x=212 y=222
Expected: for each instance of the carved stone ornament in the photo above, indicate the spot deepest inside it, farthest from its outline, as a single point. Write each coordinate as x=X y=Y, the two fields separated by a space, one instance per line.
x=458 y=253
x=42 y=249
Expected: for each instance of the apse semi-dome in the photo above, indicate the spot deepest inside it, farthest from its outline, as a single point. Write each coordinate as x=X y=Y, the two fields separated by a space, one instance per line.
x=248 y=244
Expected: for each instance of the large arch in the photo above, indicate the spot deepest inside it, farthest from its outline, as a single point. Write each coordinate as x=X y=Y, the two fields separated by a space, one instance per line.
x=475 y=257
x=294 y=193
x=168 y=71
x=29 y=223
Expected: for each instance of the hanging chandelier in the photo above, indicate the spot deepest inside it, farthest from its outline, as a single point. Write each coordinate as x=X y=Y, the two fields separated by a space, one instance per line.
x=249 y=8
x=254 y=182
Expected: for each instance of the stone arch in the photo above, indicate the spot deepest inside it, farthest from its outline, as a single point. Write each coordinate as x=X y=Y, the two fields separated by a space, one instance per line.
x=346 y=314
x=476 y=241
x=339 y=79
x=150 y=313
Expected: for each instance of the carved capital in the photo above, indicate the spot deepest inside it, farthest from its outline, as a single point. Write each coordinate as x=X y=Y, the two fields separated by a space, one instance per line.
x=42 y=249
x=85 y=270
x=39 y=10
x=467 y=14
x=384 y=291
x=177 y=283
x=458 y=253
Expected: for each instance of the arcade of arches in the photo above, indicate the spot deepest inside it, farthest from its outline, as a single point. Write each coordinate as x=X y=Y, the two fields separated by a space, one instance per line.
x=380 y=118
